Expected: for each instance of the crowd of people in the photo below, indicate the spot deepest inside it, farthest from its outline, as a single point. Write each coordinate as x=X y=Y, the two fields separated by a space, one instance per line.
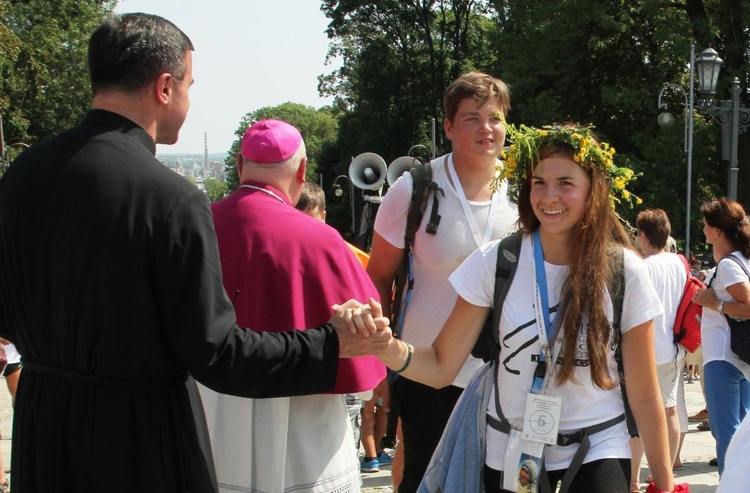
x=170 y=344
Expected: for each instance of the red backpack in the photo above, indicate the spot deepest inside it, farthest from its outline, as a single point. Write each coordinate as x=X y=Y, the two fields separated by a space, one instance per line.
x=687 y=323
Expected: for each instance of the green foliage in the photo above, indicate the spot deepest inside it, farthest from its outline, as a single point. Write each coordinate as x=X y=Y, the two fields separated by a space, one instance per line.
x=599 y=62
x=398 y=57
x=215 y=189
x=44 y=86
x=318 y=128
x=604 y=63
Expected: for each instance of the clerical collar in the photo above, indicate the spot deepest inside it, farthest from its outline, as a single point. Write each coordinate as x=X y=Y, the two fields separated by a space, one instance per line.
x=270 y=193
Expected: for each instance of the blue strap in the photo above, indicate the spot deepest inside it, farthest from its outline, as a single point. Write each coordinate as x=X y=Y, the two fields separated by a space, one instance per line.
x=541 y=280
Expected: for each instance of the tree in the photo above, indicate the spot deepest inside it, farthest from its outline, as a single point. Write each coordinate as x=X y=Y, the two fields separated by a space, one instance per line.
x=44 y=85
x=589 y=61
x=398 y=57
x=215 y=189
x=604 y=63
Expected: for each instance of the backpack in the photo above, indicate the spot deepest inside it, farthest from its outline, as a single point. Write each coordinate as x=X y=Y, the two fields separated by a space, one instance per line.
x=422 y=188
x=739 y=330
x=508 y=252
x=487 y=346
x=687 y=322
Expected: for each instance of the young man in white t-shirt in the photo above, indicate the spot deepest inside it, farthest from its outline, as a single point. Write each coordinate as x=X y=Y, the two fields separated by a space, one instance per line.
x=668 y=275
x=471 y=216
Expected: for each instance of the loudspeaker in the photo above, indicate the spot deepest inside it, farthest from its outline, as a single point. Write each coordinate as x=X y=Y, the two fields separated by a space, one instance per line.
x=399 y=166
x=367 y=171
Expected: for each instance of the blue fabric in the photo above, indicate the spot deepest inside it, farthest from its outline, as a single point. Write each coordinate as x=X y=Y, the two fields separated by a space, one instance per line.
x=458 y=461
x=727 y=400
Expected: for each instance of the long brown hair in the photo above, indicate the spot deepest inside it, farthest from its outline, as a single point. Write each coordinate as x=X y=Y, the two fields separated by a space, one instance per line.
x=598 y=235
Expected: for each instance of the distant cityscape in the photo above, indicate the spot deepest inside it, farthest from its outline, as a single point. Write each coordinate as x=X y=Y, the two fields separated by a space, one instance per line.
x=196 y=166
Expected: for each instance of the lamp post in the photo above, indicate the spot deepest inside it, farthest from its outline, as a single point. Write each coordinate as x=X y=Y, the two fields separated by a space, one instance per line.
x=338 y=192
x=733 y=118
x=6 y=153
x=666 y=120
x=5 y=149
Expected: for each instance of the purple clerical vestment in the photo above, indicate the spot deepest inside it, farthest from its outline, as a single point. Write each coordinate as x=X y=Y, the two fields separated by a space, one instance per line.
x=284 y=270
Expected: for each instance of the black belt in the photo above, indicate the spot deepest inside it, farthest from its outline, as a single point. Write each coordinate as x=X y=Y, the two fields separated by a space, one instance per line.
x=163 y=384
x=563 y=439
x=581 y=436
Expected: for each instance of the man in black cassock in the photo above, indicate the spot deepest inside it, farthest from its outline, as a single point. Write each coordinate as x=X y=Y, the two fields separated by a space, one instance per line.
x=110 y=286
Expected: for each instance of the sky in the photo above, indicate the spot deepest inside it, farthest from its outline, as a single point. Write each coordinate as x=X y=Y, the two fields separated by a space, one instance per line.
x=249 y=54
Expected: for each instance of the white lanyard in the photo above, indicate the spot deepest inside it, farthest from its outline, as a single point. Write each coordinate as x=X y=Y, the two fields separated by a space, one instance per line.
x=467 y=209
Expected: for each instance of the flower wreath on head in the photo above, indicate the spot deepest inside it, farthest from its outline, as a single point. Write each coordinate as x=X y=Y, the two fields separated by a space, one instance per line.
x=528 y=141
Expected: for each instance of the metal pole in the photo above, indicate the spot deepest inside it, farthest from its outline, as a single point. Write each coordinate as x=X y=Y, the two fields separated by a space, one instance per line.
x=689 y=149
x=2 y=145
x=733 y=160
x=434 y=138
x=351 y=199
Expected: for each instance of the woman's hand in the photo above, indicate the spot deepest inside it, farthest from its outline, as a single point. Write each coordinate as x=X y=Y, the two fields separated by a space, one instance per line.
x=706 y=298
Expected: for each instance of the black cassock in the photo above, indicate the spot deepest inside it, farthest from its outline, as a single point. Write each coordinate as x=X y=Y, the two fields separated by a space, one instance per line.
x=110 y=287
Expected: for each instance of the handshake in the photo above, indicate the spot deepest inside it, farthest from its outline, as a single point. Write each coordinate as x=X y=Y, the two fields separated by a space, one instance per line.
x=361 y=328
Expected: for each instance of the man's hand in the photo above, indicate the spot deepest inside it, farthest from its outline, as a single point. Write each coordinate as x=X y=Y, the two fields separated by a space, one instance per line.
x=362 y=329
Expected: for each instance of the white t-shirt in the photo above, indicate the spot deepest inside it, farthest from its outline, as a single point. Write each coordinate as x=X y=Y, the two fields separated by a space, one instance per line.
x=437 y=256
x=715 y=336
x=583 y=404
x=735 y=478
x=668 y=276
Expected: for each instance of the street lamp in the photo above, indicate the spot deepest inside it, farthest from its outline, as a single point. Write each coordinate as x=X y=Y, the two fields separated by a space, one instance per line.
x=666 y=120
x=338 y=192
x=733 y=118
x=5 y=149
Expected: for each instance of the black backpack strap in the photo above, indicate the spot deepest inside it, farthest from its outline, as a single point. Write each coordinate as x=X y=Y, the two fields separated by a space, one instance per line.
x=487 y=346
x=733 y=257
x=507 y=262
x=617 y=293
x=422 y=187
x=422 y=181
x=421 y=190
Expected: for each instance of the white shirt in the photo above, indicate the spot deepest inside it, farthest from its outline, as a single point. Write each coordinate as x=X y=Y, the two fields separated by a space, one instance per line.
x=668 y=276
x=437 y=256
x=715 y=336
x=583 y=404
x=735 y=478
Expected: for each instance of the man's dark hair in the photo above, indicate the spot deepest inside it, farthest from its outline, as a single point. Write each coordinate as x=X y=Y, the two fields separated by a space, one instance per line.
x=655 y=225
x=478 y=86
x=312 y=198
x=130 y=50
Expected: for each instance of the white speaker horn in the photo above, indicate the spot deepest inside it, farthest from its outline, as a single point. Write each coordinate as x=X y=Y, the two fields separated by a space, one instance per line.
x=367 y=171
x=399 y=166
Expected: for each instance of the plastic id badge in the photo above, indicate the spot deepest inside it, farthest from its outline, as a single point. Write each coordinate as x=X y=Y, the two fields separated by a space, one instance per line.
x=542 y=418
x=522 y=465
